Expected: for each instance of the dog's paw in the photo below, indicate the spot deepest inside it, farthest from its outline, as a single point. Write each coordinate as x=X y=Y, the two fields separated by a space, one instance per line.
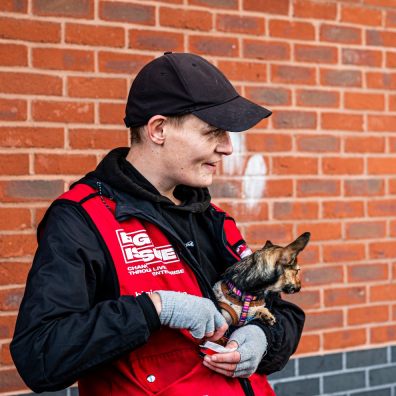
x=266 y=316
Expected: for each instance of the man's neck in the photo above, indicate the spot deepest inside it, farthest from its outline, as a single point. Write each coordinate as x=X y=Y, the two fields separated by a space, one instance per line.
x=151 y=173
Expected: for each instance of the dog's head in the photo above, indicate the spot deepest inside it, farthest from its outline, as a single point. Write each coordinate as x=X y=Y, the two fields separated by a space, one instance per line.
x=284 y=263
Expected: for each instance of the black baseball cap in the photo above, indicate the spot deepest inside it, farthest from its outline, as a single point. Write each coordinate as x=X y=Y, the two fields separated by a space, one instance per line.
x=182 y=83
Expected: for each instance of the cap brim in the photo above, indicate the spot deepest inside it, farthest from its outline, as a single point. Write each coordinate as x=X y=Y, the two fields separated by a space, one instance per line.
x=236 y=115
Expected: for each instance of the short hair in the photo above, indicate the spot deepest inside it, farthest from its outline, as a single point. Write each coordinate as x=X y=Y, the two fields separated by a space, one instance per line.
x=176 y=121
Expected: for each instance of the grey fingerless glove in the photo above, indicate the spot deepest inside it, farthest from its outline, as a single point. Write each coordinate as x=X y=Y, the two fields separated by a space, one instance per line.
x=184 y=311
x=252 y=345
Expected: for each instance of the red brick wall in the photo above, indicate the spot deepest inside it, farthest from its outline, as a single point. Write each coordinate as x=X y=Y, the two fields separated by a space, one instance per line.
x=325 y=162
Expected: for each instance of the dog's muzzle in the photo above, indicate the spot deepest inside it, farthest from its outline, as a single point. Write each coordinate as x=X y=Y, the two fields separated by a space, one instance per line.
x=290 y=289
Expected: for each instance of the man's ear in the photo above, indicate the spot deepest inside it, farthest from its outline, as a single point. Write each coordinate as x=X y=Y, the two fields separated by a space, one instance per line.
x=155 y=129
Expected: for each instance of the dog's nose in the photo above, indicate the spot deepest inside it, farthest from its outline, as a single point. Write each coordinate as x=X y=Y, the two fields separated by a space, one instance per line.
x=290 y=289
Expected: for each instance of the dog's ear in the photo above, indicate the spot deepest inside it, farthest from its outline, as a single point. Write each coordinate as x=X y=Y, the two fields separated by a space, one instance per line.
x=300 y=243
x=268 y=244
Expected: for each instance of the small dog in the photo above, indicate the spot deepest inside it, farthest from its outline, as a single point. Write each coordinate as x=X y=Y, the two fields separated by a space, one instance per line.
x=242 y=289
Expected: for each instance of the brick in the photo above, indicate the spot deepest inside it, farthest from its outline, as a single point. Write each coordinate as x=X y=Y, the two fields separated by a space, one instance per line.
x=96 y=87
x=367 y=272
x=381 y=38
x=322 y=275
x=291 y=30
x=231 y=189
x=352 y=56
x=155 y=40
x=244 y=71
x=342 y=166
x=366 y=230
x=125 y=12
x=370 y=357
x=365 y=187
x=361 y=15
x=31 y=137
x=364 y=101
x=243 y=212
x=343 y=209
x=63 y=59
x=342 y=121
x=268 y=142
x=13 y=219
x=295 y=210
x=69 y=112
x=365 y=315
x=309 y=343
x=10 y=299
x=64 y=164
x=341 y=339
x=380 y=250
x=340 y=34
x=30 y=84
x=38 y=216
x=286 y=119
x=320 y=364
x=30 y=190
x=14 y=6
x=318 y=143
x=114 y=62
x=383 y=207
x=278 y=188
x=342 y=382
x=70 y=8
x=381 y=80
x=390 y=59
x=310 y=254
x=94 y=35
x=390 y=18
x=382 y=334
x=315 y=53
x=320 y=320
x=112 y=113
x=13 y=272
x=11 y=246
x=5 y=355
x=13 y=55
x=97 y=138
x=306 y=387
x=381 y=123
x=315 y=98
x=217 y=46
x=28 y=30
x=344 y=252
x=365 y=144
x=381 y=166
x=312 y=9
x=321 y=231
x=227 y=4
x=385 y=375
x=10 y=381
x=294 y=165
x=308 y=299
x=288 y=371
x=392 y=186
x=345 y=296
x=392 y=102
x=266 y=50
x=13 y=110
x=192 y=19
x=318 y=187
x=259 y=233
x=267 y=6
x=269 y=96
x=341 y=78
x=293 y=74
x=237 y=24
x=14 y=164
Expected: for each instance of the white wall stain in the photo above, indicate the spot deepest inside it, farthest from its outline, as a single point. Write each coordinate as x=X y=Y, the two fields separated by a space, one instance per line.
x=233 y=164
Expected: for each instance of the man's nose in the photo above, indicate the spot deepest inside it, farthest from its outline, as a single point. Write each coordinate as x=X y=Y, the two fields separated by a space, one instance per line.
x=224 y=145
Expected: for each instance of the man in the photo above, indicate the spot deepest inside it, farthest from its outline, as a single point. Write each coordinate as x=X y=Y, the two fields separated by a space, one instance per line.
x=119 y=295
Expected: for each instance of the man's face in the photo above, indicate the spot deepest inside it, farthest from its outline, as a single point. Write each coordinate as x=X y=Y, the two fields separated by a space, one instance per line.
x=193 y=151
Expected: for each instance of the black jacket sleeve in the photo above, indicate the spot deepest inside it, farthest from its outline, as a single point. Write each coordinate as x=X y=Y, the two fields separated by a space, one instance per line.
x=283 y=337
x=68 y=321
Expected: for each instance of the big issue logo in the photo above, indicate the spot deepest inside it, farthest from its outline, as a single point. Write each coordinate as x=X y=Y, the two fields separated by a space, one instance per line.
x=140 y=253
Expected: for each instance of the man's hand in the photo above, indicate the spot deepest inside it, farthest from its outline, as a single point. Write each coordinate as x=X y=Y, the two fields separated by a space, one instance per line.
x=251 y=344
x=184 y=311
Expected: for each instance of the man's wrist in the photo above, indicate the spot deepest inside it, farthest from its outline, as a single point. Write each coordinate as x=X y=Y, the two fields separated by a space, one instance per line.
x=156 y=300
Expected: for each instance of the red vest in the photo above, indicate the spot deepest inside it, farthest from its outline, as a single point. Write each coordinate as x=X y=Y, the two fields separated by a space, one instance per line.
x=169 y=364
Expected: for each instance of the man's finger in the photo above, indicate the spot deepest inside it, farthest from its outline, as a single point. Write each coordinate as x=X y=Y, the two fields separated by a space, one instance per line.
x=218 y=333
x=225 y=357
x=228 y=373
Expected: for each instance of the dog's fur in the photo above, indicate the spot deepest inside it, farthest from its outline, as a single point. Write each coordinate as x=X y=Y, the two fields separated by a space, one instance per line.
x=270 y=269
